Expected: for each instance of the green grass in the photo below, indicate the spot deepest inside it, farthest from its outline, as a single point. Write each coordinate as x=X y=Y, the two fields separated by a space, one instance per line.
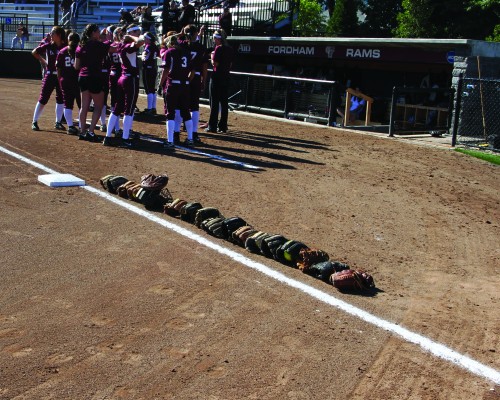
x=492 y=158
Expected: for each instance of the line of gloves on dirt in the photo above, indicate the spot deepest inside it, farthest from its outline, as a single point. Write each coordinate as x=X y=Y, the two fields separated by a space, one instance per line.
x=151 y=191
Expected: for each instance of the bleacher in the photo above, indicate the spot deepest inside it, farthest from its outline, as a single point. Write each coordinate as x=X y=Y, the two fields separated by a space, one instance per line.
x=252 y=17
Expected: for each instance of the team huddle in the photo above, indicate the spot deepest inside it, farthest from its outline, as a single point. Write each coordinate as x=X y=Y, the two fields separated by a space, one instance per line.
x=103 y=64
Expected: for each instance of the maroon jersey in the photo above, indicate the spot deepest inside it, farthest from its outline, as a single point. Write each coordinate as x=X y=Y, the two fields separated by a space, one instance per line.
x=149 y=55
x=223 y=55
x=91 y=57
x=106 y=63
x=177 y=61
x=198 y=54
x=65 y=63
x=128 y=57
x=49 y=51
x=116 y=64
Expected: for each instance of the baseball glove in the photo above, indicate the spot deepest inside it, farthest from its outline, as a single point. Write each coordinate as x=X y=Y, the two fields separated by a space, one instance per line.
x=271 y=244
x=288 y=253
x=173 y=208
x=241 y=234
x=216 y=227
x=251 y=242
x=132 y=189
x=189 y=210
x=325 y=269
x=104 y=181
x=154 y=182
x=233 y=224
x=205 y=213
x=308 y=257
x=351 y=280
x=122 y=189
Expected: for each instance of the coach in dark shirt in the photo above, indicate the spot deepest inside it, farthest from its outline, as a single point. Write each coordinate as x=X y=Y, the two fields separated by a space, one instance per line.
x=222 y=60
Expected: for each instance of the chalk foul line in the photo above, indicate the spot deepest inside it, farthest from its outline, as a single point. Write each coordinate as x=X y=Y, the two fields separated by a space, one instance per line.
x=435 y=348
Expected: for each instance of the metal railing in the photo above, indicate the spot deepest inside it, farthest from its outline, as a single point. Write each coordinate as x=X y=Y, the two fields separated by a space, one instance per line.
x=292 y=98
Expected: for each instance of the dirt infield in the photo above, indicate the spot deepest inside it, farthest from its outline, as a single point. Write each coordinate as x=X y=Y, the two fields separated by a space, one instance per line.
x=99 y=303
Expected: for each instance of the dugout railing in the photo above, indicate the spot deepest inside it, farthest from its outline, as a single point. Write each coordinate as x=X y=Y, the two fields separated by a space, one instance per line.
x=477 y=114
x=303 y=99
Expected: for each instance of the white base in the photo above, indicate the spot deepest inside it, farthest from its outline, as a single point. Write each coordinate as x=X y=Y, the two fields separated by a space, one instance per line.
x=59 y=180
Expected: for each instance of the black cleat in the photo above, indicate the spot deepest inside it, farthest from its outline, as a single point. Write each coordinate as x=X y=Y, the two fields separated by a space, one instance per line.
x=34 y=126
x=103 y=128
x=168 y=146
x=108 y=141
x=73 y=130
x=189 y=143
x=60 y=126
x=196 y=137
x=127 y=143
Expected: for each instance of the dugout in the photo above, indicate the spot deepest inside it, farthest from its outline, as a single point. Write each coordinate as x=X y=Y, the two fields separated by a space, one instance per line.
x=375 y=65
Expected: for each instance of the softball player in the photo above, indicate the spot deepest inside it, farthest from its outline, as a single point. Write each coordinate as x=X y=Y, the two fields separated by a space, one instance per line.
x=114 y=74
x=199 y=59
x=89 y=57
x=150 y=71
x=46 y=54
x=68 y=80
x=128 y=85
x=176 y=74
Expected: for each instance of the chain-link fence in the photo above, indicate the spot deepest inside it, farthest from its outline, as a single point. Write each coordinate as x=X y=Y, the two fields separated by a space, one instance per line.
x=293 y=98
x=477 y=122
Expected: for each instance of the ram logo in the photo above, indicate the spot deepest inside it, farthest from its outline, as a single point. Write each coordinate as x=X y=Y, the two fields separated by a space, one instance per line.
x=244 y=48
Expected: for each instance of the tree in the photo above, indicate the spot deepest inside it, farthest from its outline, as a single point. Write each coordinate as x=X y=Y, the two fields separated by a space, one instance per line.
x=444 y=19
x=381 y=17
x=344 y=20
x=310 y=20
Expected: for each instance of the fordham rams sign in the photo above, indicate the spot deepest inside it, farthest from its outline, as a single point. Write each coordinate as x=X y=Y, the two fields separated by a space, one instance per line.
x=402 y=54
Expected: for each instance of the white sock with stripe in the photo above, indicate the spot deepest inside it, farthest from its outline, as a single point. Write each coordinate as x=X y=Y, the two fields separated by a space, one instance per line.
x=103 y=115
x=195 y=117
x=127 y=126
x=111 y=123
x=59 y=111
x=68 y=115
x=170 y=130
x=38 y=111
x=189 y=128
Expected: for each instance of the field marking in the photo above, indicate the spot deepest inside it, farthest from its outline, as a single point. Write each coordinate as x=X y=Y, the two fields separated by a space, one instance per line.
x=437 y=349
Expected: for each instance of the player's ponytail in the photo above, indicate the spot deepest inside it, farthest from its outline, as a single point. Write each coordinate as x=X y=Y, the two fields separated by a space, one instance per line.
x=73 y=41
x=87 y=33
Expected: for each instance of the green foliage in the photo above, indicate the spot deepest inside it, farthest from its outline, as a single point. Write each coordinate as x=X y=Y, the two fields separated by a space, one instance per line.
x=446 y=19
x=381 y=17
x=344 y=20
x=495 y=37
x=310 y=19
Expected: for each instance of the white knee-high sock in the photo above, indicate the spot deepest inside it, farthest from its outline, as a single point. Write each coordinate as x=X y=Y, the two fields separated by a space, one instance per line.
x=150 y=100
x=178 y=120
x=103 y=115
x=111 y=123
x=170 y=130
x=127 y=126
x=189 y=128
x=59 y=111
x=155 y=97
x=195 y=117
x=68 y=115
x=38 y=111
